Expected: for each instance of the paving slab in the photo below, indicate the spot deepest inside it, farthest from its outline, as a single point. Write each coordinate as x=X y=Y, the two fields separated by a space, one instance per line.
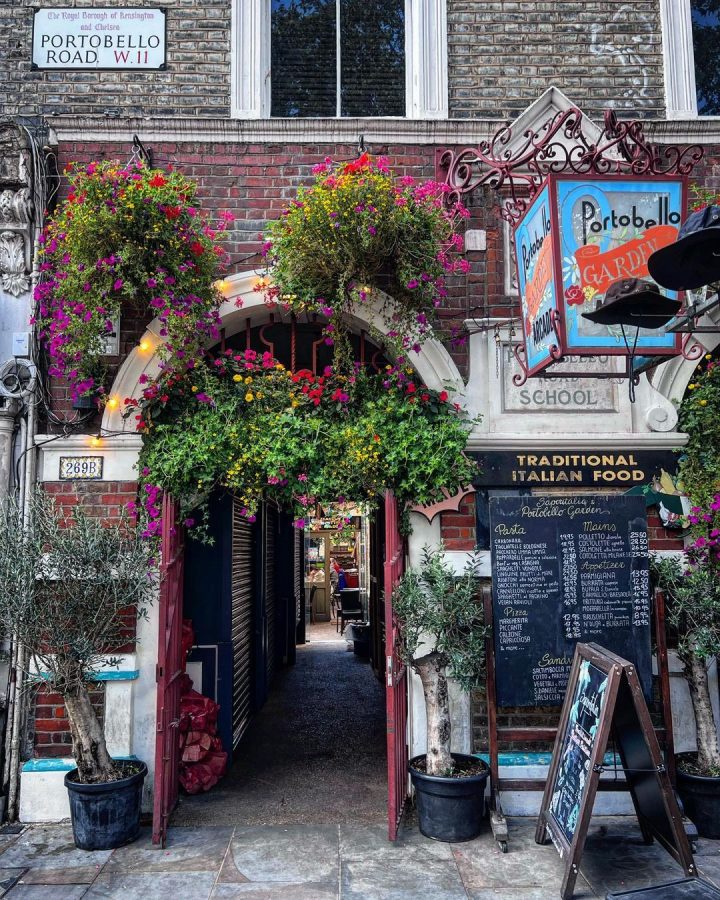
x=297 y=854
x=51 y=847
x=395 y=878
x=151 y=886
x=483 y=866
x=358 y=842
x=8 y=878
x=616 y=859
x=278 y=890
x=200 y=849
x=47 y=892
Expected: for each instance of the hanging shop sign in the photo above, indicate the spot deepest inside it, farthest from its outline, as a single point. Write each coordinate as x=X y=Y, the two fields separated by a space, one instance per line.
x=577 y=238
x=572 y=468
x=99 y=38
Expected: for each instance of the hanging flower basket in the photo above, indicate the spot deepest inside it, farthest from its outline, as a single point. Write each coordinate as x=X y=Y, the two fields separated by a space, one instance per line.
x=247 y=424
x=356 y=232
x=126 y=237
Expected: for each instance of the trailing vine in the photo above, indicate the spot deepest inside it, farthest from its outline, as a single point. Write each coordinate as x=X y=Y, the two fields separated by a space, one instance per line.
x=126 y=237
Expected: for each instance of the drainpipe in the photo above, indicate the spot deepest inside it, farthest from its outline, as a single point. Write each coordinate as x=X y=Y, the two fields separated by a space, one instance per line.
x=27 y=485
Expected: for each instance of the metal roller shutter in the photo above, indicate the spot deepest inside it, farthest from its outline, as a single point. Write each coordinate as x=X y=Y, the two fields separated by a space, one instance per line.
x=271 y=527
x=241 y=625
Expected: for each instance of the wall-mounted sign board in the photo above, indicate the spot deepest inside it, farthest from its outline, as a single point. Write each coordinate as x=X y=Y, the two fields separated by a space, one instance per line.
x=81 y=468
x=566 y=569
x=578 y=236
x=604 y=693
x=94 y=37
x=571 y=468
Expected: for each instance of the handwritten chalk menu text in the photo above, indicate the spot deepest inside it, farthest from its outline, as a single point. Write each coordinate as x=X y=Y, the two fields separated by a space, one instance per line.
x=99 y=38
x=566 y=569
x=573 y=771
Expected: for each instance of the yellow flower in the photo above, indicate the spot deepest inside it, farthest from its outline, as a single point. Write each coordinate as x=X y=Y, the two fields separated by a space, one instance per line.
x=237 y=378
x=249 y=397
x=279 y=367
x=691 y=387
x=248 y=380
x=708 y=356
x=194 y=389
x=702 y=402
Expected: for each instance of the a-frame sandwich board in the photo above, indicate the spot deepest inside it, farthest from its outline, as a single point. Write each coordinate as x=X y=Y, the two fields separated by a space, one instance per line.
x=603 y=696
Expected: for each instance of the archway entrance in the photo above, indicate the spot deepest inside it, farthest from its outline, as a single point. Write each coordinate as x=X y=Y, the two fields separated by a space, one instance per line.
x=309 y=724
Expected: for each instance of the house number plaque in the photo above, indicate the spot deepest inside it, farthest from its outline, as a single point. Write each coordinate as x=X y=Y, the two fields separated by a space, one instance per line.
x=81 y=468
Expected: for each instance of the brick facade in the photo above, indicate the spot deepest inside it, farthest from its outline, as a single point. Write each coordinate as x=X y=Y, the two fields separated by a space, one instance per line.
x=51 y=730
x=501 y=56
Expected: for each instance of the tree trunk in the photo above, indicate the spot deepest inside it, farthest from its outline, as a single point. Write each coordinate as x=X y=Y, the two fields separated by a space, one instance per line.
x=708 y=758
x=431 y=669
x=94 y=763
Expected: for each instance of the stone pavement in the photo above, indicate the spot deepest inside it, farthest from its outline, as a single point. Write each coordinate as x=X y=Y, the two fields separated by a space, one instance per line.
x=315 y=862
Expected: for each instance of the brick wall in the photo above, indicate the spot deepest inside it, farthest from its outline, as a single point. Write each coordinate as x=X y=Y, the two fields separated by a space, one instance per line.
x=197 y=80
x=502 y=55
x=98 y=498
x=51 y=729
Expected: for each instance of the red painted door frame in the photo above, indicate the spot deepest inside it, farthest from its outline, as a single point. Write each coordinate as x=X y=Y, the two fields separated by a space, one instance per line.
x=396 y=682
x=170 y=667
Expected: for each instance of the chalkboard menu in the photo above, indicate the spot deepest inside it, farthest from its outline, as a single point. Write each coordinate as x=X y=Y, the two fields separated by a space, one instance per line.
x=566 y=569
x=576 y=749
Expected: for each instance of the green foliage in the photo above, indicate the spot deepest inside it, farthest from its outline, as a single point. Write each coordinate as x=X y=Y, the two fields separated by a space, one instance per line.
x=247 y=424
x=441 y=613
x=693 y=604
x=66 y=586
x=126 y=236
x=699 y=416
x=356 y=230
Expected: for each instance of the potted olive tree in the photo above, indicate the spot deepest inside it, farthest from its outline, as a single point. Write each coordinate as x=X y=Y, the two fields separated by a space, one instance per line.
x=443 y=636
x=69 y=591
x=692 y=589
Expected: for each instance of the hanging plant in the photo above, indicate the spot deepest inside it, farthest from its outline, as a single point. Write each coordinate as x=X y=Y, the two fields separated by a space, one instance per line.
x=357 y=230
x=126 y=236
x=699 y=416
x=246 y=424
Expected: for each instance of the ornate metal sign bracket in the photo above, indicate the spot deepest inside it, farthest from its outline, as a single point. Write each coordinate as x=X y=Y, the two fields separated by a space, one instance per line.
x=517 y=164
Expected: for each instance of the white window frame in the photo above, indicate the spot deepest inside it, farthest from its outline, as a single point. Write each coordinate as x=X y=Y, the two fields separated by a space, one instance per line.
x=426 y=79
x=679 y=60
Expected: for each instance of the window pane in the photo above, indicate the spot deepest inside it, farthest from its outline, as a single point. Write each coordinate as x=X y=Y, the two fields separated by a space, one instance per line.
x=706 y=41
x=303 y=58
x=373 y=57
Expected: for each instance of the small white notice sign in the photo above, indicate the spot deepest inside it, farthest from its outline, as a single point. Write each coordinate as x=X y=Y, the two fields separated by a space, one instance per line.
x=99 y=38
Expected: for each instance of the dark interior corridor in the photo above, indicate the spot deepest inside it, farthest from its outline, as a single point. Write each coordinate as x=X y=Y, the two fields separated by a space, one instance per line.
x=315 y=753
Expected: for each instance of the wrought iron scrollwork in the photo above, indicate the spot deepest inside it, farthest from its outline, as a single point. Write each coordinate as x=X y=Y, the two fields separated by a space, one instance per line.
x=517 y=164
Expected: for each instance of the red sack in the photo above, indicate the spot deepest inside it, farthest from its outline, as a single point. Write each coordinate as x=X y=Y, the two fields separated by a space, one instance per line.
x=217 y=763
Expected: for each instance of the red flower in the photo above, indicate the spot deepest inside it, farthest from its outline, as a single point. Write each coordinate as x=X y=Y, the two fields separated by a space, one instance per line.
x=172 y=212
x=574 y=295
x=196 y=248
x=363 y=162
x=411 y=388
x=443 y=396
x=157 y=181
x=424 y=397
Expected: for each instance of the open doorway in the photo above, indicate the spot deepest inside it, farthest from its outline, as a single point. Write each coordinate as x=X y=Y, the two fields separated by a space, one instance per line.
x=285 y=626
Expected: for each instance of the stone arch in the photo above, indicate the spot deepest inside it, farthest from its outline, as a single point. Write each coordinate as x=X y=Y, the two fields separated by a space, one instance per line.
x=433 y=364
x=673 y=377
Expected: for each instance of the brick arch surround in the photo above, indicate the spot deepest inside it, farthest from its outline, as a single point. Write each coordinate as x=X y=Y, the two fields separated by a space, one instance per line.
x=433 y=364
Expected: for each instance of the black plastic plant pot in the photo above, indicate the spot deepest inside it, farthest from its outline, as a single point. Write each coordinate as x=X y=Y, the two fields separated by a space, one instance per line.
x=107 y=815
x=700 y=795
x=450 y=809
